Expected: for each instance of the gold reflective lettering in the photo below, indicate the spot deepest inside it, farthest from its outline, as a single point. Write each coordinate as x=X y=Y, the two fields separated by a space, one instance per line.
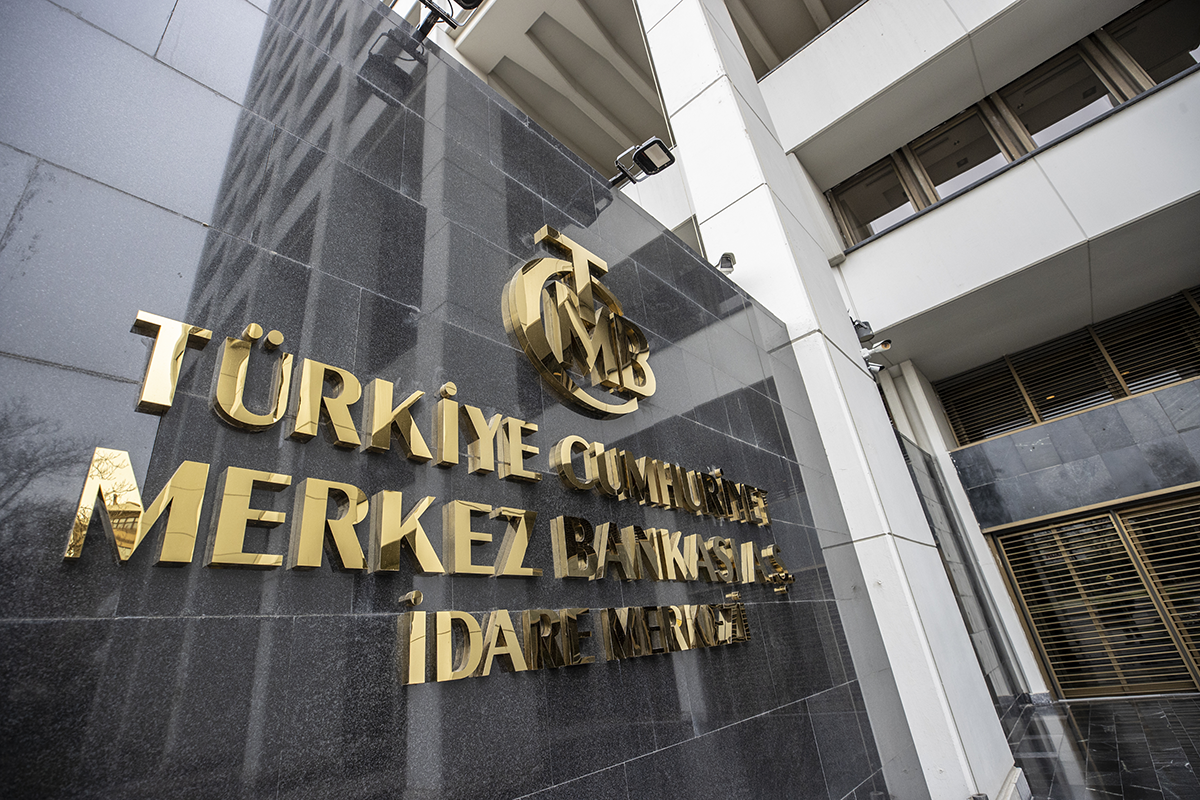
x=412 y=647
x=171 y=338
x=481 y=448
x=312 y=400
x=226 y=545
x=111 y=477
x=515 y=543
x=609 y=471
x=637 y=487
x=713 y=502
x=688 y=493
x=699 y=560
x=649 y=557
x=501 y=640
x=675 y=563
x=561 y=456
x=392 y=532
x=571 y=635
x=676 y=628
x=458 y=538
x=310 y=525
x=657 y=630
x=778 y=576
x=514 y=451
x=571 y=540
x=758 y=499
x=625 y=633
x=455 y=663
x=615 y=547
x=751 y=567
x=229 y=382
x=634 y=357
x=445 y=426
x=541 y=627
x=379 y=422
x=722 y=553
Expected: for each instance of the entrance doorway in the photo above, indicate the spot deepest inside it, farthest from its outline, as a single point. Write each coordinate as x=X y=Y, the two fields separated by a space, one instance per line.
x=1113 y=599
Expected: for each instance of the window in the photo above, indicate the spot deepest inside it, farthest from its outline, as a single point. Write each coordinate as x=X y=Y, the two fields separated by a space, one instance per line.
x=873 y=200
x=1162 y=36
x=1150 y=44
x=1057 y=97
x=958 y=153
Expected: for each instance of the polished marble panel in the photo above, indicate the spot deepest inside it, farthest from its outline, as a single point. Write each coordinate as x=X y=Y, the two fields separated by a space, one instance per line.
x=1133 y=446
x=222 y=167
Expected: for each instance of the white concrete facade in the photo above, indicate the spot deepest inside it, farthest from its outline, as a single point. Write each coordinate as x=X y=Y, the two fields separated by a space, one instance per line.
x=1040 y=249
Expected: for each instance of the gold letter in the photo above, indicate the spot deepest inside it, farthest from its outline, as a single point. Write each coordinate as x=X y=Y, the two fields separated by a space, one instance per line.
x=309 y=524
x=233 y=514
x=571 y=540
x=312 y=399
x=166 y=358
x=412 y=649
x=378 y=422
x=513 y=451
x=560 y=462
x=390 y=533
x=470 y=652
x=499 y=626
x=457 y=537
x=110 y=475
x=481 y=451
x=515 y=543
x=229 y=381
x=571 y=636
x=445 y=426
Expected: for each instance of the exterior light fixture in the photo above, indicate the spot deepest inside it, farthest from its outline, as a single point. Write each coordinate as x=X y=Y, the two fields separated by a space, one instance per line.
x=726 y=263
x=437 y=14
x=649 y=158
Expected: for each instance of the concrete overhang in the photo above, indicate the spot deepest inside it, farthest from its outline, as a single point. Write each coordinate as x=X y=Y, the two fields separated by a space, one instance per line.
x=892 y=69
x=1099 y=224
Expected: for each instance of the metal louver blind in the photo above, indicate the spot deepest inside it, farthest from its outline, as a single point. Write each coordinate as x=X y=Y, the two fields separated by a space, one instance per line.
x=1155 y=345
x=1168 y=541
x=1141 y=350
x=1093 y=617
x=984 y=402
x=1067 y=374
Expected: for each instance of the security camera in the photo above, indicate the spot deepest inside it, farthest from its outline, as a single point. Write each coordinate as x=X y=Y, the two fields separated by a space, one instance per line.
x=886 y=344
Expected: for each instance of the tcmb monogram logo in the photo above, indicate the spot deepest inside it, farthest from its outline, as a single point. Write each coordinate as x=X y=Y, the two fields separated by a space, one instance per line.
x=567 y=321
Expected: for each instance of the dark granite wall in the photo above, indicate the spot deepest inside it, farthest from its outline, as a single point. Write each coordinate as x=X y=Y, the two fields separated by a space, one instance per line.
x=225 y=162
x=1136 y=445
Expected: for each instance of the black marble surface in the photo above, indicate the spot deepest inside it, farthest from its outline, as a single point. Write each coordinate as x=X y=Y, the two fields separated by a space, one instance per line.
x=1133 y=446
x=1111 y=749
x=225 y=162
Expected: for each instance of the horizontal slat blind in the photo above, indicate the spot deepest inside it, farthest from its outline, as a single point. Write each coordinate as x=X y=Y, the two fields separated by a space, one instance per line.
x=1155 y=345
x=1093 y=617
x=1144 y=349
x=1066 y=374
x=1168 y=540
x=984 y=402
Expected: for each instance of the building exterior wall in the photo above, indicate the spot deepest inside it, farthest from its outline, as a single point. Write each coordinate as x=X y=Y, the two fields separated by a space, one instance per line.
x=1134 y=446
x=223 y=175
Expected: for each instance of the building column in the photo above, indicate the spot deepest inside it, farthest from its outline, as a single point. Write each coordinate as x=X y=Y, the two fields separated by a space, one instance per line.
x=929 y=707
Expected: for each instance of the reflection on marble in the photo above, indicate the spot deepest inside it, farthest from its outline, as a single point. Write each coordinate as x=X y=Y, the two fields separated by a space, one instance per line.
x=271 y=177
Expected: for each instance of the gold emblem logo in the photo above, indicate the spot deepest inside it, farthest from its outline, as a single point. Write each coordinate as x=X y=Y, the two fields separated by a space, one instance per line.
x=568 y=322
